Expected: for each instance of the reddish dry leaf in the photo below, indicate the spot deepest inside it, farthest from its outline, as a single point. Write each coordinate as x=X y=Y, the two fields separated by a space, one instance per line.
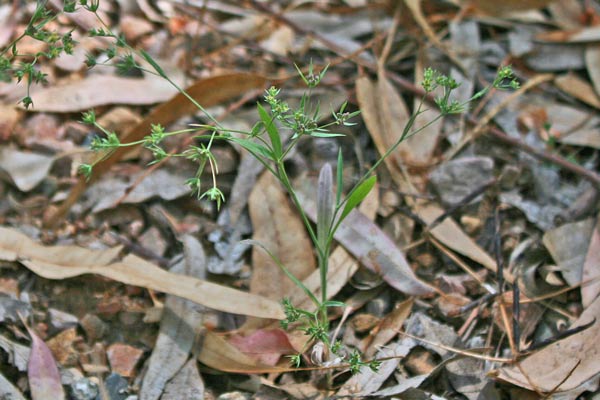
x=44 y=378
x=279 y=228
x=264 y=345
x=61 y=262
x=217 y=353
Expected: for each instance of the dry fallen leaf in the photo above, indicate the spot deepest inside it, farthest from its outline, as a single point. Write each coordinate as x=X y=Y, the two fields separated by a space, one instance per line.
x=451 y=235
x=590 y=288
x=44 y=378
x=498 y=8
x=578 y=88
x=217 y=353
x=26 y=169
x=592 y=63
x=279 y=228
x=571 y=363
x=8 y=390
x=100 y=90
x=178 y=327
x=61 y=262
x=187 y=384
x=264 y=345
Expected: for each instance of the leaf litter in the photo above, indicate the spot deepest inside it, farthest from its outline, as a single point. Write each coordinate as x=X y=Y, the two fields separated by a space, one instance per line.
x=434 y=263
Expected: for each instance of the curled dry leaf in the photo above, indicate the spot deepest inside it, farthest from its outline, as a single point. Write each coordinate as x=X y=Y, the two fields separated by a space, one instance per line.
x=61 y=262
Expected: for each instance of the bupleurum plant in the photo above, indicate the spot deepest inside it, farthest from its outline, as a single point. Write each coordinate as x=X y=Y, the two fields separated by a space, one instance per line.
x=278 y=130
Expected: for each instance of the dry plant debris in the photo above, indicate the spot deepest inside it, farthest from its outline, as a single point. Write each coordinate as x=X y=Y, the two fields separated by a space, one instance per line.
x=471 y=270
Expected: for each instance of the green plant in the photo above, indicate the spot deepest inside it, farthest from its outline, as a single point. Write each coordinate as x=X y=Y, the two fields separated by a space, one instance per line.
x=278 y=130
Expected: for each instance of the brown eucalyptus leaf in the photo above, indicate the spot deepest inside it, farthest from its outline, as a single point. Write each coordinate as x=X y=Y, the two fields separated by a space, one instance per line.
x=388 y=328
x=582 y=35
x=217 y=353
x=385 y=115
x=61 y=262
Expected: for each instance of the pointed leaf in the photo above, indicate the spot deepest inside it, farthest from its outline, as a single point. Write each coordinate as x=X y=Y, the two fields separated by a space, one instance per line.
x=272 y=130
x=357 y=196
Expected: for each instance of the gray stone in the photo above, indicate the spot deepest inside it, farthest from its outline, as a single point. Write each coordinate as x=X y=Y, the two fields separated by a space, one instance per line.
x=453 y=180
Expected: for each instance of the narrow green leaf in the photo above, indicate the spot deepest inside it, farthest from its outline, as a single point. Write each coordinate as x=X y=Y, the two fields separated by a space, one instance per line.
x=333 y=303
x=326 y=134
x=272 y=130
x=358 y=195
x=253 y=148
x=151 y=61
